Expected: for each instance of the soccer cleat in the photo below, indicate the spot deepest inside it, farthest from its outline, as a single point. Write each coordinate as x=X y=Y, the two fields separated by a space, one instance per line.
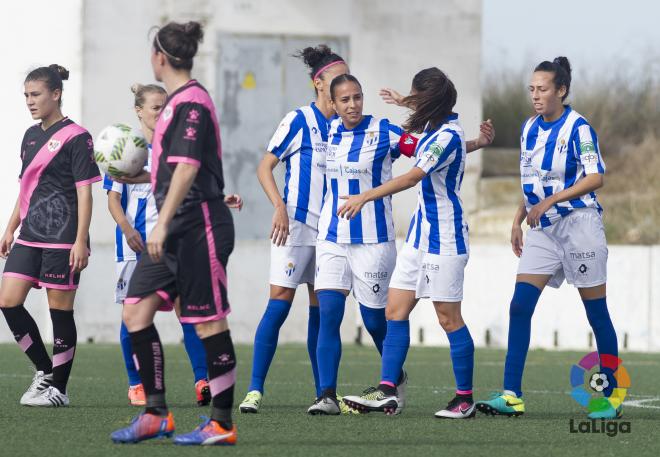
x=401 y=388
x=344 y=408
x=136 y=396
x=610 y=413
x=500 y=404
x=203 y=392
x=251 y=402
x=40 y=382
x=50 y=397
x=460 y=407
x=373 y=399
x=325 y=406
x=144 y=427
x=208 y=434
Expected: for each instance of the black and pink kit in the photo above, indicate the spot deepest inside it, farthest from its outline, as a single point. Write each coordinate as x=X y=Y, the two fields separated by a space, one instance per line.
x=201 y=234
x=55 y=162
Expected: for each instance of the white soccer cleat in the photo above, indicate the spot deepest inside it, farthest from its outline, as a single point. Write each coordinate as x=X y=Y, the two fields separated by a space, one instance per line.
x=40 y=382
x=251 y=403
x=460 y=407
x=325 y=406
x=50 y=397
x=401 y=392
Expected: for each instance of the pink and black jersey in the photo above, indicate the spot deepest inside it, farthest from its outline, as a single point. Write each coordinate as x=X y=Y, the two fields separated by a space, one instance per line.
x=187 y=132
x=55 y=162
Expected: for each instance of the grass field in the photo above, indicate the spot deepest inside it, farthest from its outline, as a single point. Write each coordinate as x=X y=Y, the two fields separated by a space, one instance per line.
x=98 y=396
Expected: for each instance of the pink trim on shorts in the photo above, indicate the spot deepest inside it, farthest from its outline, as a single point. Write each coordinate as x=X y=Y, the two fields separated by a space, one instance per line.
x=48 y=285
x=169 y=303
x=188 y=160
x=63 y=357
x=25 y=342
x=132 y=300
x=223 y=382
x=11 y=274
x=89 y=181
x=37 y=244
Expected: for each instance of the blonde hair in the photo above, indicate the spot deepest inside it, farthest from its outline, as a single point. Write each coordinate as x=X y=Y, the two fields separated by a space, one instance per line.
x=141 y=90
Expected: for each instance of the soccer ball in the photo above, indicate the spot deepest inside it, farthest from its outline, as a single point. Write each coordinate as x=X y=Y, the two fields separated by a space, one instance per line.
x=599 y=382
x=120 y=150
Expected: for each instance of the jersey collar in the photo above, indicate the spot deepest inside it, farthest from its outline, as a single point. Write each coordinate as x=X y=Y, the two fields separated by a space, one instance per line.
x=361 y=126
x=548 y=125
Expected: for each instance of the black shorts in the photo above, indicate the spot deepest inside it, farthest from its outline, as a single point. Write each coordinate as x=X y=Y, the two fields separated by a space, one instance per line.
x=193 y=265
x=44 y=267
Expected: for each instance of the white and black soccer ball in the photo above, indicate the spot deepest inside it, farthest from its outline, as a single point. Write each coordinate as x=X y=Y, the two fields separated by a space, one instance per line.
x=599 y=382
x=120 y=150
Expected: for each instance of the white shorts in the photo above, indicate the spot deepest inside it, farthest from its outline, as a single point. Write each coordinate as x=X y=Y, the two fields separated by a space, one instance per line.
x=573 y=248
x=294 y=263
x=125 y=271
x=364 y=268
x=438 y=277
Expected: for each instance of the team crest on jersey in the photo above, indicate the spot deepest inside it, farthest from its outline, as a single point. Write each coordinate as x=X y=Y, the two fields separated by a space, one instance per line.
x=167 y=112
x=371 y=138
x=289 y=269
x=54 y=145
x=193 y=116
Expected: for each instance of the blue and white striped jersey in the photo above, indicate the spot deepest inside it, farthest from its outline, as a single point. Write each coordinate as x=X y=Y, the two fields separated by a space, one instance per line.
x=438 y=224
x=139 y=205
x=358 y=160
x=300 y=142
x=554 y=156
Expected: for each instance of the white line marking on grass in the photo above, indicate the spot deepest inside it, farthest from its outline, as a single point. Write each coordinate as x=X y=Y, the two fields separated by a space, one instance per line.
x=642 y=403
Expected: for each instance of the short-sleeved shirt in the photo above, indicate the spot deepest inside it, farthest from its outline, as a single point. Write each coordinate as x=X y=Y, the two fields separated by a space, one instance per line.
x=438 y=224
x=187 y=131
x=139 y=206
x=54 y=163
x=555 y=156
x=358 y=160
x=301 y=142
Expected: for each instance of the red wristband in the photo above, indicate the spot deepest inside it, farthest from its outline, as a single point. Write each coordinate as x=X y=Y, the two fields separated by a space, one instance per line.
x=407 y=144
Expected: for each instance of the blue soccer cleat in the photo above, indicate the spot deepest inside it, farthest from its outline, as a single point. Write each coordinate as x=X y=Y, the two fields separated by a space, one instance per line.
x=144 y=427
x=208 y=434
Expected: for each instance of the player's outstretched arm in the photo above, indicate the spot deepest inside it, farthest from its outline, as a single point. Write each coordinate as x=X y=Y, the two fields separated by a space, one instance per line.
x=12 y=225
x=280 y=227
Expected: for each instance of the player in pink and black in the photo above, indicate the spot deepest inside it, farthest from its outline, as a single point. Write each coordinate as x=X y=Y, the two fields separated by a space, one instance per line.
x=53 y=210
x=188 y=247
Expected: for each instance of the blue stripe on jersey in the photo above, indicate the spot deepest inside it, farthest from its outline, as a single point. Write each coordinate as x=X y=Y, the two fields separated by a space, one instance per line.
x=141 y=220
x=412 y=224
x=305 y=174
x=332 y=228
x=107 y=183
x=452 y=175
x=550 y=144
x=356 y=146
x=287 y=176
x=418 y=230
x=376 y=173
x=600 y=163
x=528 y=189
x=356 y=222
x=297 y=123
x=119 y=236
x=431 y=209
x=532 y=135
x=321 y=121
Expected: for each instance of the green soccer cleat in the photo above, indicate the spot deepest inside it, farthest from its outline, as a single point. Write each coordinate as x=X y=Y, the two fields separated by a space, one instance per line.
x=251 y=403
x=501 y=404
x=607 y=414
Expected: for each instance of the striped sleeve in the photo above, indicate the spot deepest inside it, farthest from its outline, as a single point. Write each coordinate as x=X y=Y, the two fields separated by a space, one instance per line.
x=287 y=139
x=395 y=133
x=438 y=153
x=110 y=185
x=588 y=150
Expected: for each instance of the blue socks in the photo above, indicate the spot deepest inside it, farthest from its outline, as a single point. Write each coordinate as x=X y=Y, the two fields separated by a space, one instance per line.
x=525 y=297
x=127 y=352
x=375 y=323
x=265 y=341
x=395 y=349
x=196 y=351
x=313 y=325
x=461 y=349
x=606 y=342
x=328 y=350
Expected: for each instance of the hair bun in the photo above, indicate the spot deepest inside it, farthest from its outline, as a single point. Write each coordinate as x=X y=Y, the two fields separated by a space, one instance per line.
x=60 y=70
x=135 y=88
x=313 y=56
x=194 y=30
x=564 y=63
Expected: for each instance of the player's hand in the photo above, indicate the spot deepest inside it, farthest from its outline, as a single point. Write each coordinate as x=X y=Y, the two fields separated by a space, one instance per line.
x=280 y=231
x=538 y=210
x=6 y=244
x=352 y=206
x=156 y=241
x=134 y=240
x=517 y=240
x=486 y=134
x=391 y=96
x=78 y=256
x=234 y=201
x=141 y=178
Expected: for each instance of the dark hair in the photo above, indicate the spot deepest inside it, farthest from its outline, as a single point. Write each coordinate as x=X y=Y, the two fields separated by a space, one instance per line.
x=433 y=100
x=179 y=43
x=341 y=79
x=52 y=75
x=561 y=68
x=140 y=91
x=317 y=58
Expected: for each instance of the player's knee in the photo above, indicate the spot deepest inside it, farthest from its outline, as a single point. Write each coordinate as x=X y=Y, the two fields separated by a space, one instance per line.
x=394 y=314
x=450 y=321
x=281 y=293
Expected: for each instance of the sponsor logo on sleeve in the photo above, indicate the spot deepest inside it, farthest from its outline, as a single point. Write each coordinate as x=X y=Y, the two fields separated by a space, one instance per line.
x=434 y=152
x=191 y=134
x=193 y=116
